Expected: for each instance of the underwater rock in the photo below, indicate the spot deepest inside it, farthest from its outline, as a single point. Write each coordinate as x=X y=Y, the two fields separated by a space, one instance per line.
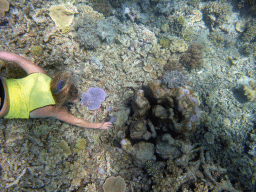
x=160 y=112
x=138 y=130
x=122 y=116
x=209 y=137
x=157 y=91
x=241 y=25
x=152 y=129
x=140 y=105
x=186 y=114
x=165 y=147
x=126 y=145
x=144 y=151
x=114 y=184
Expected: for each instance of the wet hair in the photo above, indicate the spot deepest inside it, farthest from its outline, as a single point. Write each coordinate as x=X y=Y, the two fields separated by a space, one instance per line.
x=62 y=89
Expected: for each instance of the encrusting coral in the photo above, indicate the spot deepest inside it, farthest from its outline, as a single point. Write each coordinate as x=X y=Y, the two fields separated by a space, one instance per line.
x=250 y=91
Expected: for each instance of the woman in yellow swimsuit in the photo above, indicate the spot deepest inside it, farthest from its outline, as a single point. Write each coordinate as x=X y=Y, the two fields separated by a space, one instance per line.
x=39 y=96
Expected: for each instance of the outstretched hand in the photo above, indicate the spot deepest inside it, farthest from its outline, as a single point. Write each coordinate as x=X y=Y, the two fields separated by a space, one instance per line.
x=106 y=125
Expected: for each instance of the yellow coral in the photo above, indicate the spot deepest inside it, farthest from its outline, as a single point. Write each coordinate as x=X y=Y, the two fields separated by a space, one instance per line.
x=62 y=15
x=80 y=145
x=4 y=6
x=250 y=91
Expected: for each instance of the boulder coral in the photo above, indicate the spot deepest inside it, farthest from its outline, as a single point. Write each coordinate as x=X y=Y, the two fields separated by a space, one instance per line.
x=180 y=105
x=159 y=112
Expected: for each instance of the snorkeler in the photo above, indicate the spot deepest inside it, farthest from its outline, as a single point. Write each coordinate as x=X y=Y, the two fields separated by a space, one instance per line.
x=39 y=96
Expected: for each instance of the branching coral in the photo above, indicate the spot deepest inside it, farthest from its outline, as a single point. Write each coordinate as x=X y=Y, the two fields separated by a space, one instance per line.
x=191 y=166
x=250 y=32
x=248 y=5
x=217 y=13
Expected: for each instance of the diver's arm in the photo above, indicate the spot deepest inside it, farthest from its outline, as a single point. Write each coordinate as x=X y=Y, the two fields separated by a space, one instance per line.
x=26 y=64
x=63 y=115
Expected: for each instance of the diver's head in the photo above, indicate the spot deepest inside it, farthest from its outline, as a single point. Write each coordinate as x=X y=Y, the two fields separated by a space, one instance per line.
x=63 y=90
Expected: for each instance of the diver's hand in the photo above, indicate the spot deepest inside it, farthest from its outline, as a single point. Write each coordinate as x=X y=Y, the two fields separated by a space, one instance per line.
x=105 y=125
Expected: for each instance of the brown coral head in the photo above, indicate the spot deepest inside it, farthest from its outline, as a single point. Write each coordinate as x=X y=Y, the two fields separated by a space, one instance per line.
x=192 y=59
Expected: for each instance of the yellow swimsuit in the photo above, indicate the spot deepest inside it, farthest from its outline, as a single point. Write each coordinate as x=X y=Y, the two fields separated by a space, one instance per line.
x=27 y=94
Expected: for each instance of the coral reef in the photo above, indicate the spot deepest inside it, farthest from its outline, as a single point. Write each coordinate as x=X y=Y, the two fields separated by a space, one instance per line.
x=170 y=109
x=114 y=184
x=37 y=51
x=175 y=79
x=86 y=25
x=138 y=130
x=196 y=170
x=48 y=155
x=102 y=6
x=249 y=33
x=178 y=45
x=140 y=105
x=62 y=15
x=4 y=7
x=80 y=145
x=247 y=5
x=106 y=29
x=250 y=91
x=216 y=13
x=95 y=61
x=93 y=98
x=192 y=59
